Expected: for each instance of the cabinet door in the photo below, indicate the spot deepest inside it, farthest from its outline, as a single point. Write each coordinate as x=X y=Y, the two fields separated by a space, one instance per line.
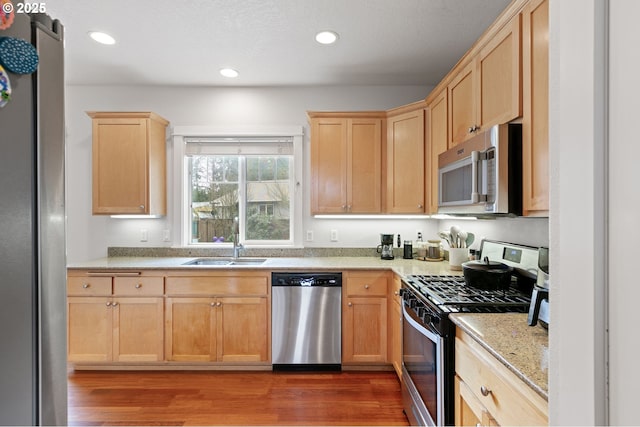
x=405 y=163
x=89 y=329
x=138 y=329
x=535 y=119
x=436 y=144
x=328 y=165
x=499 y=75
x=364 y=330
x=120 y=166
x=243 y=328
x=364 y=165
x=190 y=331
x=468 y=409
x=462 y=104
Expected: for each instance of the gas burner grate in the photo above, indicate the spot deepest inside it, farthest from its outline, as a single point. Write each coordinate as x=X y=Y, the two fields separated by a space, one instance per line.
x=453 y=292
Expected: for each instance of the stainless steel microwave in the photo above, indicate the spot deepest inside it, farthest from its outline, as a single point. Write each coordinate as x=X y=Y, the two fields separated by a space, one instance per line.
x=483 y=175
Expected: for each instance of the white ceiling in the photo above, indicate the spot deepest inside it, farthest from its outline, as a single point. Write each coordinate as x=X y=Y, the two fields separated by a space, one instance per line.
x=270 y=42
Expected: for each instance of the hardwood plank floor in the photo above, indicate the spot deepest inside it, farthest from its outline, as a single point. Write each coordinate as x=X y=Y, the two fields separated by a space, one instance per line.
x=233 y=398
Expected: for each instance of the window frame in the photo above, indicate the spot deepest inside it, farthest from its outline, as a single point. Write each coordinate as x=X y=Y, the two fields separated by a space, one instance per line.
x=181 y=188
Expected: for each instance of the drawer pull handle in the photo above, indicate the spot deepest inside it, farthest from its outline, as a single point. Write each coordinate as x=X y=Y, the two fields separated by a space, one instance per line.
x=485 y=391
x=86 y=285
x=138 y=286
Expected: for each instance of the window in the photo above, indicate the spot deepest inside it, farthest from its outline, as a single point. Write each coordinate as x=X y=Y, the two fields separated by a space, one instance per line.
x=251 y=178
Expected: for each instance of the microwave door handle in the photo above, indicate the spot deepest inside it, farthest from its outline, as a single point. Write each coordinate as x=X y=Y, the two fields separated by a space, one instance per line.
x=475 y=156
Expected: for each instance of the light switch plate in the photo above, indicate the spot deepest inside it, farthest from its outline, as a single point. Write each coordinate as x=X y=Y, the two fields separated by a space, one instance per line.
x=334 y=235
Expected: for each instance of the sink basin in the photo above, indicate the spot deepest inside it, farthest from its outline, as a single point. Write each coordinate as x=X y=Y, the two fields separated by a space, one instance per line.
x=225 y=261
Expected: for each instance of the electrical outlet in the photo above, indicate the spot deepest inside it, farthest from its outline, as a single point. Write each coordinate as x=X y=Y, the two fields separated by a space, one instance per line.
x=309 y=235
x=419 y=233
x=144 y=235
x=334 y=235
x=166 y=236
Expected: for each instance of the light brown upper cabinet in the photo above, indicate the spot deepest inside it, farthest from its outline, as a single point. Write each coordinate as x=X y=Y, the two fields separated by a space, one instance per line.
x=436 y=144
x=129 y=163
x=346 y=162
x=406 y=159
x=535 y=120
x=487 y=90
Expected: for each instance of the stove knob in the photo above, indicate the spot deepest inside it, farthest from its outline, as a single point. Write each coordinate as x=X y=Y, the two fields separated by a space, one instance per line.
x=402 y=291
x=435 y=320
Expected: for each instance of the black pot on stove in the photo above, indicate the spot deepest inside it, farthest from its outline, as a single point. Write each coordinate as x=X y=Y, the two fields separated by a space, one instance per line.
x=487 y=275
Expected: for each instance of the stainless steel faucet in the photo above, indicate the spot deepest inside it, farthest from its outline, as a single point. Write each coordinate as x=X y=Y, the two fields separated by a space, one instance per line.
x=237 y=246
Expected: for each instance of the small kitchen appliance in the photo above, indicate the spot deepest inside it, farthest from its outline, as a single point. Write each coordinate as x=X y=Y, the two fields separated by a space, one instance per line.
x=483 y=175
x=385 y=249
x=539 y=309
x=428 y=336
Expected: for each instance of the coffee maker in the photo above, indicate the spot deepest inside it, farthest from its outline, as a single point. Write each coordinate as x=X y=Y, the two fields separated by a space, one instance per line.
x=539 y=308
x=385 y=248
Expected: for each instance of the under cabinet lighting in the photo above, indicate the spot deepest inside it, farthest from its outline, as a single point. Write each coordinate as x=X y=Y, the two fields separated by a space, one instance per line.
x=371 y=216
x=136 y=216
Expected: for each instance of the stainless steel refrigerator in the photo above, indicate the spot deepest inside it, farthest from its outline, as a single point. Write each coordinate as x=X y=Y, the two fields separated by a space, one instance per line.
x=33 y=377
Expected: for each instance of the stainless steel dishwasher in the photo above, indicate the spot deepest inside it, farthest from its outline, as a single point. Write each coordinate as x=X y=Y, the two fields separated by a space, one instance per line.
x=306 y=321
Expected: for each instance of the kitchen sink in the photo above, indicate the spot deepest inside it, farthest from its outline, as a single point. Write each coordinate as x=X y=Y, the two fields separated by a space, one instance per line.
x=225 y=261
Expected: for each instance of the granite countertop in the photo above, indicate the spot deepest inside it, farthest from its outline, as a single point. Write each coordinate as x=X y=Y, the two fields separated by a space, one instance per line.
x=523 y=349
x=399 y=266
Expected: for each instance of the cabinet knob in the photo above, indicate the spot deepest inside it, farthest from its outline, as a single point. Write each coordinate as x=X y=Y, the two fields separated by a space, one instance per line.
x=114 y=304
x=138 y=285
x=366 y=286
x=108 y=304
x=86 y=285
x=142 y=207
x=485 y=391
x=219 y=304
x=349 y=208
x=395 y=292
x=350 y=304
x=419 y=205
x=213 y=304
x=344 y=207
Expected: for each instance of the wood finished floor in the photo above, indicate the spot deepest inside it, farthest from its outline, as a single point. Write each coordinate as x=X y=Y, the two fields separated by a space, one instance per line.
x=233 y=398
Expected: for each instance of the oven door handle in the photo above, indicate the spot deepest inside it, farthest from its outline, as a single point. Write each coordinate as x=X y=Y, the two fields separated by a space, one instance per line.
x=420 y=328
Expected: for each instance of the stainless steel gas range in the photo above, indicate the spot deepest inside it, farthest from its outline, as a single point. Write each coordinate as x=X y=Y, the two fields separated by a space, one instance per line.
x=428 y=359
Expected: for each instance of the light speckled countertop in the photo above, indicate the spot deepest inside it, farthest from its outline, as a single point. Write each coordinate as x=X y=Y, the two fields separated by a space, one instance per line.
x=400 y=266
x=522 y=348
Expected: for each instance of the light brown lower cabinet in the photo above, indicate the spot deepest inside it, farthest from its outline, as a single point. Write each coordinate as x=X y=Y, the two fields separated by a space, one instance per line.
x=395 y=325
x=230 y=329
x=364 y=317
x=487 y=393
x=112 y=324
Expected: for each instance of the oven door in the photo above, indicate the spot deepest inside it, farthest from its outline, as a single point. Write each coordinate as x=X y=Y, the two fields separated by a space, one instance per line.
x=422 y=372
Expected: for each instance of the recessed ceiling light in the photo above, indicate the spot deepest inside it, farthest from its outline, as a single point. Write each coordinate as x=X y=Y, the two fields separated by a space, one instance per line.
x=326 y=37
x=229 y=72
x=101 y=37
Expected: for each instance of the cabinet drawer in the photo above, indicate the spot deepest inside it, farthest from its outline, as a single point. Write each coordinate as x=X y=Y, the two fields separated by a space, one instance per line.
x=138 y=286
x=88 y=286
x=232 y=285
x=509 y=400
x=367 y=285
